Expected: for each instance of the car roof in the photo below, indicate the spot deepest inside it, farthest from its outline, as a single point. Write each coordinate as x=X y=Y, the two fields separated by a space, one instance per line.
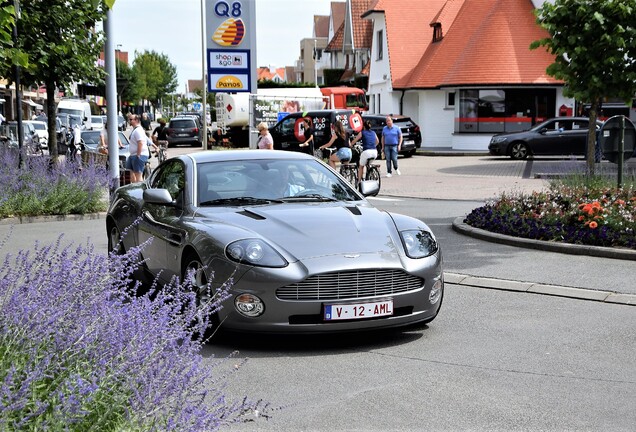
x=234 y=155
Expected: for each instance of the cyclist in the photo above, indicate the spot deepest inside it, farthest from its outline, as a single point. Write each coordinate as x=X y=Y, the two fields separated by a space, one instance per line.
x=342 y=144
x=160 y=134
x=370 y=143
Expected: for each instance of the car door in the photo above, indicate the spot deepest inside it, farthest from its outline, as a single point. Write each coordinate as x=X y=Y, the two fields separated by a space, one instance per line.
x=577 y=137
x=548 y=140
x=161 y=224
x=283 y=134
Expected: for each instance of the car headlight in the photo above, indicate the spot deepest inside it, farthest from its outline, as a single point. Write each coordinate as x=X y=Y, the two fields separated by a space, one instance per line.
x=497 y=140
x=255 y=252
x=418 y=243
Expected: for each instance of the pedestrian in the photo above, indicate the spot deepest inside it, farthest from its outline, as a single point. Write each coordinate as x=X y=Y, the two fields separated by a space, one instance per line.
x=138 y=150
x=103 y=140
x=265 y=140
x=145 y=122
x=340 y=141
x=308 y=134
x=370 y=143
x=391 y=144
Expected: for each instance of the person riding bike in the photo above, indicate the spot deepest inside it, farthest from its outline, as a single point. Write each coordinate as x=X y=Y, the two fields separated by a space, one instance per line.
x=341 y=142
x=370 y=143
x=160 y=134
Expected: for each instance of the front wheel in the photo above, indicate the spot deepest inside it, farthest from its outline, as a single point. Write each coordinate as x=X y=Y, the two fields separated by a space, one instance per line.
x=193 y=268
x=519 y=150
x=114 y=240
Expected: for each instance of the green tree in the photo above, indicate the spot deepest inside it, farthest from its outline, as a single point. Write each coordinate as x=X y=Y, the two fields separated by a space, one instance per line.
x=155 y=76
x=126 y=81
x=594 y=43
x=9 y=54
x=61 y=45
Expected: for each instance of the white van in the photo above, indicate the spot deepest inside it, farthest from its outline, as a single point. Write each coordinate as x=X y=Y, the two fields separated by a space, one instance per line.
x=76 y=107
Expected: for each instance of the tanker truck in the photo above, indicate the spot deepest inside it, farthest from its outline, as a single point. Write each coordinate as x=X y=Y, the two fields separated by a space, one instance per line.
x=272 y=104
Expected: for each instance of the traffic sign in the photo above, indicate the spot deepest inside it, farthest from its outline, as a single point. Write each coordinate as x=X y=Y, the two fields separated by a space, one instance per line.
x=611 y=135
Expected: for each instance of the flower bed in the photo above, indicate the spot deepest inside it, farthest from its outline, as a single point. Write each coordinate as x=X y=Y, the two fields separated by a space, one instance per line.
x=581 y=214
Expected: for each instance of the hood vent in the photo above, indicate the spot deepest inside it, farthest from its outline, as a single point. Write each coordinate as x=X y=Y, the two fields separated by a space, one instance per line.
x=251 y=215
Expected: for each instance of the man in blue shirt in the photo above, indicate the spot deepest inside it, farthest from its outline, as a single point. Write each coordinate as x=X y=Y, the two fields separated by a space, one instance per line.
x=391 y=144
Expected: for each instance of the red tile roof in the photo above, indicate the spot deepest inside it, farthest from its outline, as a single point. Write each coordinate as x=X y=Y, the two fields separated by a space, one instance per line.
x=485 y=42
x=337 y=41
x=337 y=14
x=362 y=28
x=321 y=26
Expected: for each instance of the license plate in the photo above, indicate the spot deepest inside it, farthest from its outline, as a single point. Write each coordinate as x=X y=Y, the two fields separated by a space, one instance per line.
x=358 y=310
x=182 y=135
x=409 y=142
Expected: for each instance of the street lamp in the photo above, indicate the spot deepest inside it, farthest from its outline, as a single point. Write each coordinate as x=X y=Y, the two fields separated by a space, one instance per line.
x=117 y=60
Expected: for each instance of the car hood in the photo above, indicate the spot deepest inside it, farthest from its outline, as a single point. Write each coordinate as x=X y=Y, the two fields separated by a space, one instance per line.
x=305 y=231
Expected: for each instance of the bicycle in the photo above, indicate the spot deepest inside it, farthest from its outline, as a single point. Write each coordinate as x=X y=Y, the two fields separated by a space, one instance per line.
x=162 y=153
x=347 y=169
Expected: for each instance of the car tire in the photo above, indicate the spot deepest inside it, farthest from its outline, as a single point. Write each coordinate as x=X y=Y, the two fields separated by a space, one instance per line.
x=115 y=244
x=519 y=150
x=200 y=282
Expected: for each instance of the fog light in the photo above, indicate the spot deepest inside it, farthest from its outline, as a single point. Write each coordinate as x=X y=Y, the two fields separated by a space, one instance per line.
x=436 y=291
x=249 y=305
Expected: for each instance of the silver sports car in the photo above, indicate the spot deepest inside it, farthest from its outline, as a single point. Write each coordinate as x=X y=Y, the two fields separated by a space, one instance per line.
x=305 y=251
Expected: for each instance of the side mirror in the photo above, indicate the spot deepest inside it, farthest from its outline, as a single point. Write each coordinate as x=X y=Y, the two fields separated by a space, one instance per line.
x=369 y=187
x=158 y=196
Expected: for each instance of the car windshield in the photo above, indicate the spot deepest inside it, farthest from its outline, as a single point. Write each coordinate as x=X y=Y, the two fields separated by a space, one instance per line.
x=253 y=182
x=182 y=124
x=39 y=126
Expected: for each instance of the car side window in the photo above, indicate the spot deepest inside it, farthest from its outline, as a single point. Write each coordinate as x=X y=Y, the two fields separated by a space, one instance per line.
x=171 y=177
x=287 y=125
x=580 y=125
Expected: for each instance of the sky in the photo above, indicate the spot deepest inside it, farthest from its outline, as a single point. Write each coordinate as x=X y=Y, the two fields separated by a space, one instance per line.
x=173 y=27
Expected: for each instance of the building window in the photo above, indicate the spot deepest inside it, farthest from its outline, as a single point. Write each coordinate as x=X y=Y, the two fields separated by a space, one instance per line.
x=437 y=32
x=450 y=99
x=380 y=44
x=498 y=110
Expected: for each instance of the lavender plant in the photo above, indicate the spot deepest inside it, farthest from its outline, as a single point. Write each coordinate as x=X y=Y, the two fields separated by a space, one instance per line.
x=78 y=352
x=41 y=188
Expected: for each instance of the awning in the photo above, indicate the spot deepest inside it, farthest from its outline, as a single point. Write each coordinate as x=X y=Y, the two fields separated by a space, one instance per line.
x=33 y=104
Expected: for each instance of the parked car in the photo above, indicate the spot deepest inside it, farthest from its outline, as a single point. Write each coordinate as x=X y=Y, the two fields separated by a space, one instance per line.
x=97 y=122
x=183 y=130
x=42 y=130
x=557 y=136
x=288 y=133
x=234 y=215
x=31 y=140
x=92 y=141
x=411 y=135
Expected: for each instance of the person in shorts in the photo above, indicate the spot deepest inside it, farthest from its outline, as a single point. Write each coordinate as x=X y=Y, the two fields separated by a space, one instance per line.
x=341 y=143
x=370 y=143
x=138 y=150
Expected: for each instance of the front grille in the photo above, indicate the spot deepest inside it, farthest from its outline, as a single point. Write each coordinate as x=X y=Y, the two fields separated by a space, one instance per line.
x=351 y=284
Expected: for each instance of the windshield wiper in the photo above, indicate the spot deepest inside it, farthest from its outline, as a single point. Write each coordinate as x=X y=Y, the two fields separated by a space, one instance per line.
x=239 y=201
x=310 y=197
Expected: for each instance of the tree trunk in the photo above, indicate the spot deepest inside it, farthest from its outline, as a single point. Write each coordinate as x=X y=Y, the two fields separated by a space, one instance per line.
x=50 y=118
x=591 y=139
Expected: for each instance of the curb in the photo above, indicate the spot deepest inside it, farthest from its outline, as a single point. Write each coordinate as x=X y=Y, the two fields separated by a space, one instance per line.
x=51 y=218
x=566 y=248
x=543 y=289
